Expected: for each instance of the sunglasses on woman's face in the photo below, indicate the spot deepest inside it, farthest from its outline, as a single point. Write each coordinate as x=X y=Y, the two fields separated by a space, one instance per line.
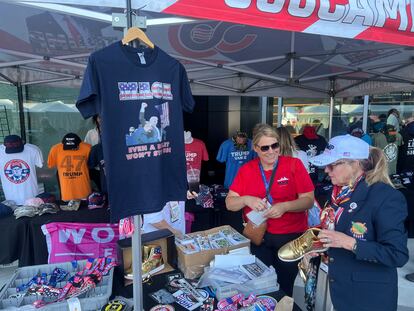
x=267 y=147
x=335 y=164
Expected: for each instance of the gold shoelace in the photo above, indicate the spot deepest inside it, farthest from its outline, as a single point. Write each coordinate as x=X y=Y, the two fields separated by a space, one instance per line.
x=300 y=246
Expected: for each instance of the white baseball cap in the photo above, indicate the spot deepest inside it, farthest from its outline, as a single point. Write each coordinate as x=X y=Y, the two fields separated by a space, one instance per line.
x=342 y=147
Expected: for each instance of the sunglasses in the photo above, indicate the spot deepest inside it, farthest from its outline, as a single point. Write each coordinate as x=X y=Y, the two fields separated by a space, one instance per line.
x=267 y=147
x=333 y=165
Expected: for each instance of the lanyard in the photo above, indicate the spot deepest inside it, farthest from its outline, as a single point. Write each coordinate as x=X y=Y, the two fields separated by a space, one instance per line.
x=267 y=184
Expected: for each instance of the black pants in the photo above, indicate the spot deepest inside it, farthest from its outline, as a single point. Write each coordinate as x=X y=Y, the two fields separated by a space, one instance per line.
x=95 y=176
x=267 y=252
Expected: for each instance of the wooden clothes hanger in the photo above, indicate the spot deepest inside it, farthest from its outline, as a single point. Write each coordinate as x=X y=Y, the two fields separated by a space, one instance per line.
x=134 y=33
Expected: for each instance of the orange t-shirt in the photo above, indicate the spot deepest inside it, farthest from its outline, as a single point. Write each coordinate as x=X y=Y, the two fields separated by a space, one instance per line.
x=72 y=169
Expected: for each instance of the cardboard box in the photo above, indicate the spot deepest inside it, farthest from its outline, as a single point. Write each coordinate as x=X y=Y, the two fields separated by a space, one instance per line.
x=164 y=238
x=192 y=265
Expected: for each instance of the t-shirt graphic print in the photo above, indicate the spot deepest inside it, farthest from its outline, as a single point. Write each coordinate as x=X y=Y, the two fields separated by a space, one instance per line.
x=18 y=173
x=140 y=94
x=72 y=170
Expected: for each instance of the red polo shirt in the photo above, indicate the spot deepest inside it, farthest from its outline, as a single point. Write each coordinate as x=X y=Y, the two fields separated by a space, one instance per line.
x=291 y=179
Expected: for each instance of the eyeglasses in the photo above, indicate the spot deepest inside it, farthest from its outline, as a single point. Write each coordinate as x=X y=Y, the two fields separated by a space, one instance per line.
x=333 y=165
x=267 y=147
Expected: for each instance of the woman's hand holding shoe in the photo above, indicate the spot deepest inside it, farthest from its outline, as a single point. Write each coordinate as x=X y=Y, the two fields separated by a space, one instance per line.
x=331 y=238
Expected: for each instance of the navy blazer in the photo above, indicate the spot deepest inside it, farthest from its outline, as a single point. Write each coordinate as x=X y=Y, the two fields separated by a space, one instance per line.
x=367 y=279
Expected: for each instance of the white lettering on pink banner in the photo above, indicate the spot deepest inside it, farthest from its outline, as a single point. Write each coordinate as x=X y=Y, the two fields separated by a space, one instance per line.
x=68 y=241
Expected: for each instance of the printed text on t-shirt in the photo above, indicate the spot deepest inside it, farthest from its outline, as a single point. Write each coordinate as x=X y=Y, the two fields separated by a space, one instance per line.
x=144 y=90
x=148 y=151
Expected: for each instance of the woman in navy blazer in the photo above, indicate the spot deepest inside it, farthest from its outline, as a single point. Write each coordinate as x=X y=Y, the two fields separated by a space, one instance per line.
x=364 y=227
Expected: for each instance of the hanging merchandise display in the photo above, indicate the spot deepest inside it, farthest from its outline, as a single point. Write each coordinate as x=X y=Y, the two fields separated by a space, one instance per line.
x=313 y=144
x=139 y=94
x=235 y=151
x=70 y=157
x=195 y=153
x=19 y=161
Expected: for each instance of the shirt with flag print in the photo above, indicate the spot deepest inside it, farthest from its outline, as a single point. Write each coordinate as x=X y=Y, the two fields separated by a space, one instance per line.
x=140 y=94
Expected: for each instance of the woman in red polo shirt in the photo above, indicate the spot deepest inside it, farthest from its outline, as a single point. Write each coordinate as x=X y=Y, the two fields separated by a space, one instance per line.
x=290 y=195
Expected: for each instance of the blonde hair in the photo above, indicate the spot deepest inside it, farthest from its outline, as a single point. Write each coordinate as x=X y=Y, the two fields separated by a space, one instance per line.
x=262 y=129
x=286 y=141
x=375 y=167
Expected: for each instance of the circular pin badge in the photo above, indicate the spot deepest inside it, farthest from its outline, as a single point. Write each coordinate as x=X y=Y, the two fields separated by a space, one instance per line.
x=115 y=305
x=352 y=206
x=203 y=293
x=162 y=308
x=268 y=302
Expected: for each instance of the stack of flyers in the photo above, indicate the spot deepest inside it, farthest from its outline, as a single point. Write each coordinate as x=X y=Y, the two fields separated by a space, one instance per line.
x=190 y=248
x=184 y=239
x=227 y=231
x=231 y=275
x=236 y=238
x=255 y=270
x=220 y=243
x=215 y=236
x=203 y=243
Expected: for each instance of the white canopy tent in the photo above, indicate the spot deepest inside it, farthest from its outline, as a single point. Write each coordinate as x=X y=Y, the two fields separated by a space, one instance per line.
x=45 y=43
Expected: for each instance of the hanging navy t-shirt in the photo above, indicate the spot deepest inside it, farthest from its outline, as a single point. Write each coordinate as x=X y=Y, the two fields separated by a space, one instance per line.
x=140 y=94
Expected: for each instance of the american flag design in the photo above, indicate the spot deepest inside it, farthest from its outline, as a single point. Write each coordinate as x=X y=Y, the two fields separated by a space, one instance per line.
x=164 y=111
x=383 y=21
x=144 y=90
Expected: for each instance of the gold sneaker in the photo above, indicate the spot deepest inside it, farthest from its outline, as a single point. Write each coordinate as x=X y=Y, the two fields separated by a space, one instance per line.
x=152 y=262
x=306 y=243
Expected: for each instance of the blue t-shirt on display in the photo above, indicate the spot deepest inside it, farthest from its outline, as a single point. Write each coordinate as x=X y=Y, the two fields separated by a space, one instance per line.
x=234 y=159
x=139 y=94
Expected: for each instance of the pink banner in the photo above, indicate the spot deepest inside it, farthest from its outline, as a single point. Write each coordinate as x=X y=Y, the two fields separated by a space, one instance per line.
x=68 y=241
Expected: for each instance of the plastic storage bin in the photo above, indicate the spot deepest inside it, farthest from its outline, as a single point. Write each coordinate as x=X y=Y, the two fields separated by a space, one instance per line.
x=94 y=299
x=259 y=286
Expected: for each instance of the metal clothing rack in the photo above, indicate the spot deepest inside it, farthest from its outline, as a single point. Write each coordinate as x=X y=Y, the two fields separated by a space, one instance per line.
x=118 y=20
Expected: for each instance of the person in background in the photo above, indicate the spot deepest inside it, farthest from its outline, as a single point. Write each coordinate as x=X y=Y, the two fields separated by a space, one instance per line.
x=377 y=124
x=288 y=147
x=93 y=138
x=93 y=135
x=389 y=141
x=290 y=195
x=366 y=239
x=393 y=118
x=406 y=151
x=359 y=132
x=313 y=144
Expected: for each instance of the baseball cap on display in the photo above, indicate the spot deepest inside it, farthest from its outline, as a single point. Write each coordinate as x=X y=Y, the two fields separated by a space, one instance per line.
x=47 y=197
x=342 y=147
x=33 y=202
x=13 y=144
x=96 y=200
x=71 y=141
x=357 y=132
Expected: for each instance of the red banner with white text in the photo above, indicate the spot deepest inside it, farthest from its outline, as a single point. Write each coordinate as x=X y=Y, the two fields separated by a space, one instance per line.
x=388 y=21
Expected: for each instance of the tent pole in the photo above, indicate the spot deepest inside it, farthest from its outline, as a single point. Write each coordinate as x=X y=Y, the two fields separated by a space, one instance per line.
x=365 y=114
x=263 y=104
x=331 y=110
x=292 y=52
x=21 y=110
x=136 y=236
x=279 y=111
x=331 y=107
